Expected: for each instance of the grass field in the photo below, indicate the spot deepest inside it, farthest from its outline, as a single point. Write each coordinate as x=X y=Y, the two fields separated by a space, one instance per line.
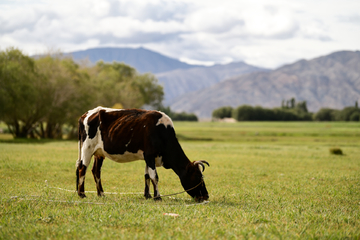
x=265 y=180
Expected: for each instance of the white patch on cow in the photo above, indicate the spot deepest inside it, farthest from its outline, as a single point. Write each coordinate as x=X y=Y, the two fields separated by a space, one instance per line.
x=79 y=157
x=96 y=110
x=81 y=180
x=152 y=173
x=78 y=162
x=111 y=109
x=165 y=120
x=90 y=146
x=125 y=157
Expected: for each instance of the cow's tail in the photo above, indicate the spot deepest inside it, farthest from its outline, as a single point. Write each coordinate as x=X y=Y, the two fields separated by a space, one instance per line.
x=78 y=162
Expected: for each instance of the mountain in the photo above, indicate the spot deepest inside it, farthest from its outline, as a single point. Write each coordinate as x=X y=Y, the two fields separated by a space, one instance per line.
x=177 y=77
x=330 y=81
x=182 y=81
x=142 y=59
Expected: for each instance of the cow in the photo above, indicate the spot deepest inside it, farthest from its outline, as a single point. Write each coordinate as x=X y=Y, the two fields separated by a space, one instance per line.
x=126 y=135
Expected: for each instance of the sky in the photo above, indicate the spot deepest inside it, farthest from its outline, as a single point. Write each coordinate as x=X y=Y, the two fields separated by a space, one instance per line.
x=264 y=33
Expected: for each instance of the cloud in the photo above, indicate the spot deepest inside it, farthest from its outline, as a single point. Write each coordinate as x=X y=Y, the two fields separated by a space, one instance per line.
x=270 y=22
x=158 y=10
x=261 y=33
x=353 y=18
x=213 y=20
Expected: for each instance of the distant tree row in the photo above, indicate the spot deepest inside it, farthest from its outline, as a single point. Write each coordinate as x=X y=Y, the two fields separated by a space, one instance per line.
x=289 y=111
x=183 y=116
x=346 y=114
x=38 y=97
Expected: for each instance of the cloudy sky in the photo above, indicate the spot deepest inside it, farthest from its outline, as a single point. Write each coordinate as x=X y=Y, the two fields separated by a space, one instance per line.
x=260 y=32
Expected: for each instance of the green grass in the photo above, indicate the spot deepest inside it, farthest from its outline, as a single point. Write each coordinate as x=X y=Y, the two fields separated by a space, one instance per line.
x=265 y=180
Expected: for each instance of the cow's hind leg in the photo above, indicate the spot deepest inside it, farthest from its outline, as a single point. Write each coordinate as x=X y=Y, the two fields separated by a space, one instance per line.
x=82 y=165
x=96 y=171
x=80 y=179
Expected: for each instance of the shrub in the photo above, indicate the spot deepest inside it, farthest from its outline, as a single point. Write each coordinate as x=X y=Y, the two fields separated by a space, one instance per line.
x=347 y=112
x=355 y=116
x=183 y=116
x=325 y=114
x=336 y=151
x=244 y=113
x=249 y=113
x=223 y=112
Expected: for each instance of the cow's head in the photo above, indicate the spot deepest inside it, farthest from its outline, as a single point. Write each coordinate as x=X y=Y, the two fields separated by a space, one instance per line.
x=194 y=183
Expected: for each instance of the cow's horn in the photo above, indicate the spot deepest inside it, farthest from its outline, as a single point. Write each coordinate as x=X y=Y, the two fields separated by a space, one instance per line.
x=201 y=163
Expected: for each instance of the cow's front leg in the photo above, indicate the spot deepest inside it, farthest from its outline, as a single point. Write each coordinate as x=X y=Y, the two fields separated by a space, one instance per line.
x=147 y=183
x=96 y=170
x=155 y=180
x=150 y=171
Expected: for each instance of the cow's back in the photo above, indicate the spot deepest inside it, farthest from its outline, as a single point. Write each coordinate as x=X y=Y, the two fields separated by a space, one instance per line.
x=122 y=135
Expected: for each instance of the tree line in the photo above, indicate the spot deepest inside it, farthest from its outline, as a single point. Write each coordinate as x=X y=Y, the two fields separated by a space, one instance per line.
x=290 y=110
x=40 y=98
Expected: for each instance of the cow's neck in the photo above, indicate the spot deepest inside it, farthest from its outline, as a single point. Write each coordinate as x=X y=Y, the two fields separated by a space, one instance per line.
x=175 y=158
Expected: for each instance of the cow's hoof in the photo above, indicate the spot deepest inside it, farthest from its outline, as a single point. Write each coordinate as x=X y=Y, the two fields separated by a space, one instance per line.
x=147 y=196
x=82 y=195
x=157 y=198
x=101 y=194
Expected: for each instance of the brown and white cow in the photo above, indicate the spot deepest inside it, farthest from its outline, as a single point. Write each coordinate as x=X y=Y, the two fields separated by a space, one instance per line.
x=125 y=135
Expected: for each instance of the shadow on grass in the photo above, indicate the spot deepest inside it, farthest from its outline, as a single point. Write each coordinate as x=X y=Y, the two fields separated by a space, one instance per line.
x=31 y=141
x=181 y=137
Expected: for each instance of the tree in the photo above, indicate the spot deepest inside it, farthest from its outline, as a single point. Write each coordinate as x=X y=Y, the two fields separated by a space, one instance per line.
x=347 y=112
x=152 y=93
x=325 y=114
x=22 y=92
x=222 y=112
x=120 y=83
x=69 y=92
x=183 y=116
x=244 y=113
x=355 y=116
x=39 y=97
x=302 y=107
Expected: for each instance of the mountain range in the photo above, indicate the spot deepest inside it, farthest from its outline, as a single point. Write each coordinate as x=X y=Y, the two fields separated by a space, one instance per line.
x=142 y=59
x=179 y=82
x=328 y=81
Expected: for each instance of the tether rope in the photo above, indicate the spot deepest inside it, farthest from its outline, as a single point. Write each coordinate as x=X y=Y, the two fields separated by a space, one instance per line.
x=167 y=195
x=36 y=198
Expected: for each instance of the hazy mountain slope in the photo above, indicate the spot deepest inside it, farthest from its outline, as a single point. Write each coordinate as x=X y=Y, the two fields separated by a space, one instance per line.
x=329 y=81
x=182 y=81
x=142 y=59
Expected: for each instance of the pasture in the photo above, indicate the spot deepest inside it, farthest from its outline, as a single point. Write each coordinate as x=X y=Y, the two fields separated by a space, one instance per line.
x=266 y=180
